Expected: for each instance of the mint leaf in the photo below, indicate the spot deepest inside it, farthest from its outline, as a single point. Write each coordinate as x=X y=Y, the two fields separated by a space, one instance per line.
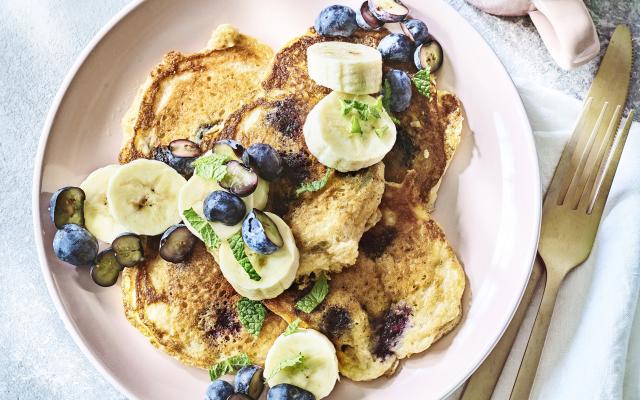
x=314 y=186
x=209 y=237
x=212 y=166
x=381 y=131
x=293 y=327
x=296 y=361
x=386 y=101
x=229 y=366
x=251 y=314
x=422 y=80
x=355 y=125
x=317 y=294
x=237 y=247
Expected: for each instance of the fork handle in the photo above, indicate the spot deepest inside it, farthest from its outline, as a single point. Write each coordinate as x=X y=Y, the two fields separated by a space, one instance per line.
x=529 y=365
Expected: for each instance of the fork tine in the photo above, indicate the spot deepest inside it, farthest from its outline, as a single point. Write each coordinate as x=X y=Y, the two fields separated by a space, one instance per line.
x=560 y=175
x=592 y=164
x=607 y=172
x=579 y=158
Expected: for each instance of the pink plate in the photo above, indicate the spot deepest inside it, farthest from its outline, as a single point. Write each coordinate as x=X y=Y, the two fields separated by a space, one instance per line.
x=489 y=204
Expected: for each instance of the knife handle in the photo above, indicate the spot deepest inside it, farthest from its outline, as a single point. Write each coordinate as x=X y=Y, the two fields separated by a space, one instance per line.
x=483 y=382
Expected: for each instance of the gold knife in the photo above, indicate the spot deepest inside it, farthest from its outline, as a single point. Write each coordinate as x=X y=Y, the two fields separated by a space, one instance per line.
x=611 y=85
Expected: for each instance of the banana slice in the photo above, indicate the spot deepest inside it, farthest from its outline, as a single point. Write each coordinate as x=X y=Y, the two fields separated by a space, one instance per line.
x=192 y=195
x=97 y=216
x=277 y=270
x=318 y=371
x=329 y=137
x=143 y=196
x=345 y=67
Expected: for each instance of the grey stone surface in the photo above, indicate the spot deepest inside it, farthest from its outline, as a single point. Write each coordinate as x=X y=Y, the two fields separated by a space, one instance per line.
x=39 y=40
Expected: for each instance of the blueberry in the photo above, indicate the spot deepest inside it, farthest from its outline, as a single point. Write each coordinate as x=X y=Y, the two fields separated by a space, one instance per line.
x=336 y=20
x=430 y=55
x=67 y=206
x=179 y=155
x=240 y=396
x=129 y=249
x=106 y=270
x=219 y=390
x=249 y=381
x=265 y=160
x=225 y=207
x=285 y=391
x=388 y=10
x=230 y=148
x=176 y=244
x=415 y=30
x=400 y=84
x=75 y=245
x=239 y=179
x=260 y=233
x=396 y=47
x=366 y=20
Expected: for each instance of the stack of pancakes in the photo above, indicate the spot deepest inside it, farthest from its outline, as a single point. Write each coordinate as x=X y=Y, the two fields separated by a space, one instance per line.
x=395 y=283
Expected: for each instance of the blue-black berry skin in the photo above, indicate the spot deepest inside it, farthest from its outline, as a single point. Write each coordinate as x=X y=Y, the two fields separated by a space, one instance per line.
x=336 y=20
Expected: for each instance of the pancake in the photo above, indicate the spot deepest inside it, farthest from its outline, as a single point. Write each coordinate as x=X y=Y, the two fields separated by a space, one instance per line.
x=189 y=310
x=328 y=224
x=402 y=295
x=188 y=96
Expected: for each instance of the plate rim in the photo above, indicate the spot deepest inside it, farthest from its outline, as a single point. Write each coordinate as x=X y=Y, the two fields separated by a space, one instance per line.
x=37 y=179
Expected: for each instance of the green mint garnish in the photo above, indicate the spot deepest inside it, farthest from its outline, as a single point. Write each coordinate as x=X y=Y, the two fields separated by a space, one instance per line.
x=364 y=111
x=381 y=131
x=355 y=125
x=422 y=80
x=317 y=294
x=314 y=186
x=229 y=366
x=237 y=247
x=212 y=166
x=209 y=237
x=386 y=100
x=296 y=361
x=251 y=314
x=293 y=327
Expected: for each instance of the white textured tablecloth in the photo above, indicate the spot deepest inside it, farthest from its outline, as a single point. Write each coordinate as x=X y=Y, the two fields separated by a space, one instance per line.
x=40 y=39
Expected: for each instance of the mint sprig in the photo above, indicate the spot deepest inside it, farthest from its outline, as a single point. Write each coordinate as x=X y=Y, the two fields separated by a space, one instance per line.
x=422 y=80
x=316 y=296
x=251 y=314
x=229 y=366
x=316 y=185
x=209 y=237
x=296 y=361
x=211 y=166
x=237 y=247
x=294 y=327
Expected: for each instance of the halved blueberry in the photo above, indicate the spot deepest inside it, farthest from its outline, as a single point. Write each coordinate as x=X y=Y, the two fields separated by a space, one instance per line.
x=260 y=233
x=249 y=381
x=179 y=155
x=225 y=207
x=400 y=84
x=286 y=391
x=184 y=148
x=129 y=249
x=388 y=10
x=219 y=390
x=366 y=20
x=229 y=148
x=240 y=396
x=106 y=270
x=265 y=160
x=239 y=179
x=396 y=47
x=336 y=20
x=67 y=206
x=429 y=54
x=75 y=245
x=415 y=30
x=176 y=243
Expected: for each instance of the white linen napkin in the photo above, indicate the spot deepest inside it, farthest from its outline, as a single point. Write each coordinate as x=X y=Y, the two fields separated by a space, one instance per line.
x=593 y=346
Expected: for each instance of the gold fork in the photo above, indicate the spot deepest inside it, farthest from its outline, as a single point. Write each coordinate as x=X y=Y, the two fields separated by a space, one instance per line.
x=571 y=214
